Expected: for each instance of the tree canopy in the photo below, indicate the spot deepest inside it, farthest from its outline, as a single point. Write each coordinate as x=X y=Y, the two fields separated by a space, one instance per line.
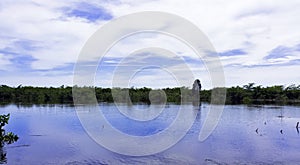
x=247 y=94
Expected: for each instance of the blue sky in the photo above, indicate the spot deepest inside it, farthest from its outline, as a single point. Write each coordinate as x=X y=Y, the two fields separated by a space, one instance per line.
x=257 y=40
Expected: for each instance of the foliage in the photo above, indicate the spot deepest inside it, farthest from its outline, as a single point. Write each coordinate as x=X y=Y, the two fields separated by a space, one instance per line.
x=247 y=94
x=6 y=138
x=250 y=94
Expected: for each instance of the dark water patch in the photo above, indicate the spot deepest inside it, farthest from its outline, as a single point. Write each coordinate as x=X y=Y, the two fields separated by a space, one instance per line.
x=18 y=146
x=37 y=135
x=86 y=162
x=214 y=162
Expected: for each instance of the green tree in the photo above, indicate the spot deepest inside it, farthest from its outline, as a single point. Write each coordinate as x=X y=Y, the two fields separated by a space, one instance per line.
x=6 y=138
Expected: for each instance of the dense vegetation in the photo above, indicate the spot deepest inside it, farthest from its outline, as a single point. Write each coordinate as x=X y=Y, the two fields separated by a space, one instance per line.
x=5 y=138
x=251 y=94
x=247 y=94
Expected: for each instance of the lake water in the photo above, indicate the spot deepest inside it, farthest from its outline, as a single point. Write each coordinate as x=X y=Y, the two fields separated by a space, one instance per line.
x=53 y=134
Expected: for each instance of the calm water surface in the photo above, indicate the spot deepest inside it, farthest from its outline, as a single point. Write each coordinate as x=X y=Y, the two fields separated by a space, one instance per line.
x=52 y=134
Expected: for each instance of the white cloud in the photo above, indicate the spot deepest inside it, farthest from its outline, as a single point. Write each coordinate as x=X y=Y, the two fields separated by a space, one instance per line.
x=30 y=79
x=58 y=39
x=4 y=62
x=254 y=26
x=266 y=76
x=229 y=24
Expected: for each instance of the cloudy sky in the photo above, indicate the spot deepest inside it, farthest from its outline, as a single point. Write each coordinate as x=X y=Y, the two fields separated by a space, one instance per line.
x=257 y=41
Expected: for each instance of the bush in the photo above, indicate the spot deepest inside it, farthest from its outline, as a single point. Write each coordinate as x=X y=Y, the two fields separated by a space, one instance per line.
x=6 y=138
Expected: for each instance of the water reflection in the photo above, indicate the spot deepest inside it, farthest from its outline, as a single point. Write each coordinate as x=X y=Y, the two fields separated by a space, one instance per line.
x=3 y=158
x=121 y=134
x=54 y=135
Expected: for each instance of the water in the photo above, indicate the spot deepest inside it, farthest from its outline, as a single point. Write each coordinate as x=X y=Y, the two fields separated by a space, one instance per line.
x=54 y=135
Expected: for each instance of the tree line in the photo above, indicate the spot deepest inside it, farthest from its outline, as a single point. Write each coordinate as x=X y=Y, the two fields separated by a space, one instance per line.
x=247 y=94
x=257 y=94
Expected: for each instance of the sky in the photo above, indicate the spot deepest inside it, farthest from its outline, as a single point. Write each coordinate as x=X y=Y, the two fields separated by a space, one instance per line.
x=256 y=40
